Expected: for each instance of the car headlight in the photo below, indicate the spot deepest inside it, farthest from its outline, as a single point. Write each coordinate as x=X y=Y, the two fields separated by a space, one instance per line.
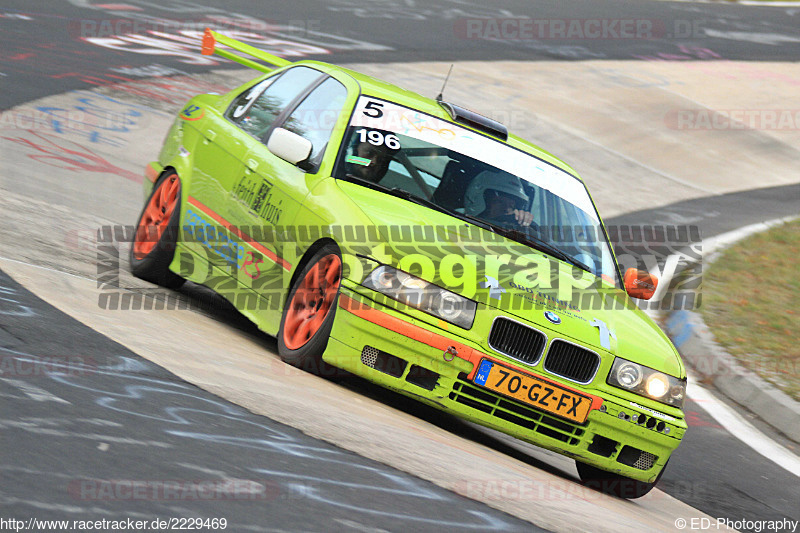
x=420 y=294
x=647 y=382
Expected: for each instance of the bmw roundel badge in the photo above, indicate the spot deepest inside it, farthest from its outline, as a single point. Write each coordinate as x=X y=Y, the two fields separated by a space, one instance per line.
x=552 y=317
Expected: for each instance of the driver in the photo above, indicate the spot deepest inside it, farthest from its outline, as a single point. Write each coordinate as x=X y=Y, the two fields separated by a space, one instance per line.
x=379 y=158
x=498 y=197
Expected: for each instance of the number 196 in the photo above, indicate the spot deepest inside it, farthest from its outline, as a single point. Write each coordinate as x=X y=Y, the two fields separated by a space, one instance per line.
x=377 y=138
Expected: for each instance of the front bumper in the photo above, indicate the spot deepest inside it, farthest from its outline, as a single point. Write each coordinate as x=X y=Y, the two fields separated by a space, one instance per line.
x=431 y=365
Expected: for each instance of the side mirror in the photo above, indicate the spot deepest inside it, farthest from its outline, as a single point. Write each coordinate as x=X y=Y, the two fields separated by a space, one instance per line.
x=289 y=146
x=640 y=284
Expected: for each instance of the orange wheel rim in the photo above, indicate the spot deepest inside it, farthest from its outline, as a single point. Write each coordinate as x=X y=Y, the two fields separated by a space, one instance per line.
x=155 y=217
x=312 y=301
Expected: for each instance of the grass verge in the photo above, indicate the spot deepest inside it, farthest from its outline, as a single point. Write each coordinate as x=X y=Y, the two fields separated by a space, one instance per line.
x=751 y=302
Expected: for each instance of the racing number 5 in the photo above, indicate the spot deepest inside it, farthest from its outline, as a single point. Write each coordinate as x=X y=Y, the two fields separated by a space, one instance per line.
x=372 y=105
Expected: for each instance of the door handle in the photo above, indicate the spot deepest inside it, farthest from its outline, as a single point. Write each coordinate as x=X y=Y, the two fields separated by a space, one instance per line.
x=252 y=164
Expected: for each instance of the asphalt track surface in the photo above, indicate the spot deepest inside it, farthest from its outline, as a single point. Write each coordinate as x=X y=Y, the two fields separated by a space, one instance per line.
x=115 y=436
x=407 y=30
x=49 y=448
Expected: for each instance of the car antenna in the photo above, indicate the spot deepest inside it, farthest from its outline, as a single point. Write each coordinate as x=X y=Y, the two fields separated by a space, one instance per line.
x=441 y=93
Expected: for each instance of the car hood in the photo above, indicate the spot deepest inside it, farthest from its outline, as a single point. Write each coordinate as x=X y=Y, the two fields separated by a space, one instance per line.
x=519 y=281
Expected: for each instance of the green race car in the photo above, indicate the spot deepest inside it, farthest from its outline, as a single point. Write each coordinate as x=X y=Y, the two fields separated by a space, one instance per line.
x=421 y=246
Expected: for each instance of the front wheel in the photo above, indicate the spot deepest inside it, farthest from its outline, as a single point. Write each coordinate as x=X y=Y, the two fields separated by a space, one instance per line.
x=153 y=245
x=615 y=484
x=308 y=316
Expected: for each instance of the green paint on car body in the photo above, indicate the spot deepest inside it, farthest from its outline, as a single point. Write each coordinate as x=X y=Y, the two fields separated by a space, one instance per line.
x=409 y=219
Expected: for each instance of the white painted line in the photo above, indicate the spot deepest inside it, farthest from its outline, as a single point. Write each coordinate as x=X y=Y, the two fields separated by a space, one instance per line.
x=711 y=249
x=2 y=258
x=721 y=412
x=768 y=4
x=744 y=430
x=33 y=392
x=715 y=245
x=771 y=39
x=762 y=3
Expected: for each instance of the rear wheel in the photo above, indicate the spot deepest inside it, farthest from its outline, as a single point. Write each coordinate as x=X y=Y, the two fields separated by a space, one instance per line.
x=615 y=484
x=153 y=245
x=308 y=316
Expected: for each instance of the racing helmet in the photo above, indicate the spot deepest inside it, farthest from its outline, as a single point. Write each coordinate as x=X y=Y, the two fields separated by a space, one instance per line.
x=495 y=180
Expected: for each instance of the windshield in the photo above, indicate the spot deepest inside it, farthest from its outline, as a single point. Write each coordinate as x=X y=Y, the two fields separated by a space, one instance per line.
x=476 y=178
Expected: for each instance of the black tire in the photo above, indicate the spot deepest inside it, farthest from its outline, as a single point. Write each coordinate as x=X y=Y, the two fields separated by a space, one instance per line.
x=154 y=265
x=615 y=484
x=296 y=348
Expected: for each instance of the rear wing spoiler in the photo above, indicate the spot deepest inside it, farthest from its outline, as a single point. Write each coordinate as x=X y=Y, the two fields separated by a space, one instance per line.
x=212 y=38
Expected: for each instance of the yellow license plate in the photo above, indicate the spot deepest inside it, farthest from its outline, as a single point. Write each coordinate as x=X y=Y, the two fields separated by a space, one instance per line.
x=533 y=391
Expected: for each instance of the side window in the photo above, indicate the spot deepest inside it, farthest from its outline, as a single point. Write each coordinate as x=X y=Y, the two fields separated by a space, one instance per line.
x=316 y=115
x=256 y=109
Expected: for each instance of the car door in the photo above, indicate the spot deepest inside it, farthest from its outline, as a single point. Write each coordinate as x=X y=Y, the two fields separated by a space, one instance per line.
x=214 y=164
x=280 y=187
x=223 y=191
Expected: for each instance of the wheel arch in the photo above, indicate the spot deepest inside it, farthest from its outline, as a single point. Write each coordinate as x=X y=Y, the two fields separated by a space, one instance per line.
x=307 y=255
x=180 y=165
